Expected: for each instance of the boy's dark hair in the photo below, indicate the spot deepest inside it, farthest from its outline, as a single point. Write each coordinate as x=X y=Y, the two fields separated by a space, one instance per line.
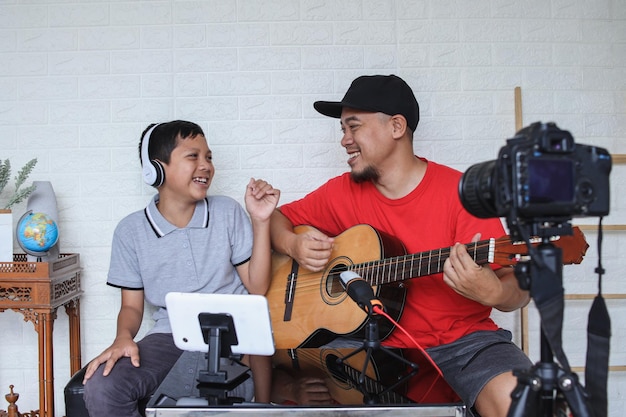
x=163 y=138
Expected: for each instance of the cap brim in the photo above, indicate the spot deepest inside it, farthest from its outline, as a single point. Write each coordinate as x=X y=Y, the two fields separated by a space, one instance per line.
x=329 y=108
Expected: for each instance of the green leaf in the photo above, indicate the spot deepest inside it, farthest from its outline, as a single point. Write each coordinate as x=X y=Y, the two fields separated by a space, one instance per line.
x=24 y=173
x=18 y=194
x=5 y=173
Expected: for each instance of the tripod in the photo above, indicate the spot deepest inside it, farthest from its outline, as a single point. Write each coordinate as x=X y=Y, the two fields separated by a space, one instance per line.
x=370 y=344
x=538 y=387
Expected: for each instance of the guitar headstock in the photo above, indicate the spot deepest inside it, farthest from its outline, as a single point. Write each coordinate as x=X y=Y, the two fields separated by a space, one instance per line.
x=574 y=248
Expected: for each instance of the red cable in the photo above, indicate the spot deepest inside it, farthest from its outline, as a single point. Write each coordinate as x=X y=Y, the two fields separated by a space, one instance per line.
x=378 y=310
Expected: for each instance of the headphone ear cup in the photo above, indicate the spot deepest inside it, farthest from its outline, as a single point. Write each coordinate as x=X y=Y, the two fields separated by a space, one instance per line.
x=152 y=173
x=159 y=173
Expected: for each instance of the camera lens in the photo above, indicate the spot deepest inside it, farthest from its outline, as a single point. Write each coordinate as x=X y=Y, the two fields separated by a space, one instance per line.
x=477 y=190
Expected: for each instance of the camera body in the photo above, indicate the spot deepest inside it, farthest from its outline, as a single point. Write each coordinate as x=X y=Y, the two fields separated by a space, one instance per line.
x=541 y=175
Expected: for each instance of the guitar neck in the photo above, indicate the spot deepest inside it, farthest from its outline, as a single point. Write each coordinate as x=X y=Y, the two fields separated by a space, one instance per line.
x=421 y=264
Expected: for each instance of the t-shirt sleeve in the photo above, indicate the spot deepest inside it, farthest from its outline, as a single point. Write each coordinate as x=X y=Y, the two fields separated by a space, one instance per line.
x=319 y=207
x=124 y=265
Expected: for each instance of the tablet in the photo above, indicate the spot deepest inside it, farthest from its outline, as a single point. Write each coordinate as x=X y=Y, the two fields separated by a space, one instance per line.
x=250 y=316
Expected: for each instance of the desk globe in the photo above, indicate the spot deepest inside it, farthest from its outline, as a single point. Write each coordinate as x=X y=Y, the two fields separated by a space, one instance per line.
x=36 y=233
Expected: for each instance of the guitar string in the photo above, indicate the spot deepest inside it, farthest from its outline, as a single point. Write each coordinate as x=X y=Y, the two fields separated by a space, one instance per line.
x=304 y=281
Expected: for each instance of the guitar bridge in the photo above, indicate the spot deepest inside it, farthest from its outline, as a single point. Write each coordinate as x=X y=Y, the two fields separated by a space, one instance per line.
x=290 y=291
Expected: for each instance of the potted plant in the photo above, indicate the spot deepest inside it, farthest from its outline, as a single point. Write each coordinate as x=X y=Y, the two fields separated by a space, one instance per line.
x=18 y=195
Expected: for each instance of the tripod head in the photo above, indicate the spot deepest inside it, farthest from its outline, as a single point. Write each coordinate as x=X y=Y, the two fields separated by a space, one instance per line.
x=542 y=274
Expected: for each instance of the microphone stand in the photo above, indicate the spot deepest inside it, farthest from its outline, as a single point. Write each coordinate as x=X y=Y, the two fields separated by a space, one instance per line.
x=370 y=344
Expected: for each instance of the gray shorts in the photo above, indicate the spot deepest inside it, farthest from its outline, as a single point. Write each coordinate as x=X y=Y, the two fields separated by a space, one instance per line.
x=473 y=360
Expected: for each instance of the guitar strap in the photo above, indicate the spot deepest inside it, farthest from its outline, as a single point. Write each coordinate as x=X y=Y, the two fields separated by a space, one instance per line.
x=598 y=345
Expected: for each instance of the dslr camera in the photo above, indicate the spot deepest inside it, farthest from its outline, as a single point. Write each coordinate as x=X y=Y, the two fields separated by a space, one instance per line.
x=540 y=176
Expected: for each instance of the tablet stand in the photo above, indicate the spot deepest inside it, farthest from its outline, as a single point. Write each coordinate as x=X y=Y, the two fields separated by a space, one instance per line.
x=219 y=333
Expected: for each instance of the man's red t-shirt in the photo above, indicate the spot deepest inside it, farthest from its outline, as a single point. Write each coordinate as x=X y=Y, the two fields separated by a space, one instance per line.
x=429 y=218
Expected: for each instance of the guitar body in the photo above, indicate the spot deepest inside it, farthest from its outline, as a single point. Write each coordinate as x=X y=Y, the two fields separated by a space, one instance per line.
x=309 y=309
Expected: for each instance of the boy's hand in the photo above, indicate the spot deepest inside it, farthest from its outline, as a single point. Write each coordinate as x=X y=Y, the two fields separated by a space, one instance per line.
x=261 y=199
x=119 y=348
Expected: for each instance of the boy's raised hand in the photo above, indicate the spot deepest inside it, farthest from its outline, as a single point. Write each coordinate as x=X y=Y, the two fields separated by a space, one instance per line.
x=261 y=199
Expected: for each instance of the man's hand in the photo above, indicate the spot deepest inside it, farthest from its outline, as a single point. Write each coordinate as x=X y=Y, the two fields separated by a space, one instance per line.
x=498 y=289
x=469 y=279
x=312 y=249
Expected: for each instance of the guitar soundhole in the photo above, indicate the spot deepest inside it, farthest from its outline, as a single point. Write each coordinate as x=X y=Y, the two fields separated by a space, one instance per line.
x=335 y=369
x=333 y=289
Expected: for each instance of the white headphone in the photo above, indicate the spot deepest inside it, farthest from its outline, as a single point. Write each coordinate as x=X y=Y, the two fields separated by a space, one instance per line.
x=153 y=172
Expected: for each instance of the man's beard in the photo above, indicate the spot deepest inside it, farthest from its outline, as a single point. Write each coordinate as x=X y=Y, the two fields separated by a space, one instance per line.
x=368 y=174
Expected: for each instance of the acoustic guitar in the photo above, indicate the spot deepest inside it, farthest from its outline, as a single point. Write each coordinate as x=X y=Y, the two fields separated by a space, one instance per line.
x=308 y=309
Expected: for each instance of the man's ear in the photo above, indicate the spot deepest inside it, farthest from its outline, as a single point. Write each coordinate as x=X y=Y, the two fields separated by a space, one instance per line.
x=399 y=126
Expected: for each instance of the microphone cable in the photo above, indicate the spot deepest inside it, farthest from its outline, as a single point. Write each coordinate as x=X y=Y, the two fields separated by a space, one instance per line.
x=377 y=309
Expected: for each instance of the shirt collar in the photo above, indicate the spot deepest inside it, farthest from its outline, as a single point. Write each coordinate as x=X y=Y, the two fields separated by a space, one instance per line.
x=162 y=227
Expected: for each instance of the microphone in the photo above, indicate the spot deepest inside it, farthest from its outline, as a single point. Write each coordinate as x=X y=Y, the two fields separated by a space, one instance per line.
x=360 y=291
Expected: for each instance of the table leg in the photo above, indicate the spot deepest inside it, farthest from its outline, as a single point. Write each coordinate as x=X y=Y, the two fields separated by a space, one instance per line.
x=73 y=311
x=41 y=336
x=49 y=319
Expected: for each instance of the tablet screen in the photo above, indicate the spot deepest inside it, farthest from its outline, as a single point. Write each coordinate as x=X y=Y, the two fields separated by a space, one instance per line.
x=250 y=314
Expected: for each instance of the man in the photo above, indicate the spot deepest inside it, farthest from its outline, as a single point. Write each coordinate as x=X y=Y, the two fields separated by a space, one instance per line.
x=416 y=201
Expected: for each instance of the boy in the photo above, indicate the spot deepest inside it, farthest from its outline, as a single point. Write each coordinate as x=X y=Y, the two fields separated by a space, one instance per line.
x=182 y=241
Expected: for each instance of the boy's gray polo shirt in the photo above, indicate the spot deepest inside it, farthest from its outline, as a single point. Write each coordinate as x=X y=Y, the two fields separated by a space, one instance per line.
x=151 y=254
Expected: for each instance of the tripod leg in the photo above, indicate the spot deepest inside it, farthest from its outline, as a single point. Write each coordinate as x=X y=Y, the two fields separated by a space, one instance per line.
x=366 y=362
x=400 y=358
x=340 y=361
x=525 y=396
x=574 y=395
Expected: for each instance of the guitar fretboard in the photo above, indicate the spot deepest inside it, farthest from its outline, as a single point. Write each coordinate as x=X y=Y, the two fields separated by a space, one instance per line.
x=421 y=264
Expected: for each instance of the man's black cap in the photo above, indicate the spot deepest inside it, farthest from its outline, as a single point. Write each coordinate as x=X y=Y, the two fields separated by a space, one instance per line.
x=387 y=94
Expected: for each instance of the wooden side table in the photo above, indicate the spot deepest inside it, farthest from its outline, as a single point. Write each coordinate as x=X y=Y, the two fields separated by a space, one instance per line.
x=37 y=290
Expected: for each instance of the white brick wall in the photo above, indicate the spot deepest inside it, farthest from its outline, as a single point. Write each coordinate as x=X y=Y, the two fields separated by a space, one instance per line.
x=79 y=81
